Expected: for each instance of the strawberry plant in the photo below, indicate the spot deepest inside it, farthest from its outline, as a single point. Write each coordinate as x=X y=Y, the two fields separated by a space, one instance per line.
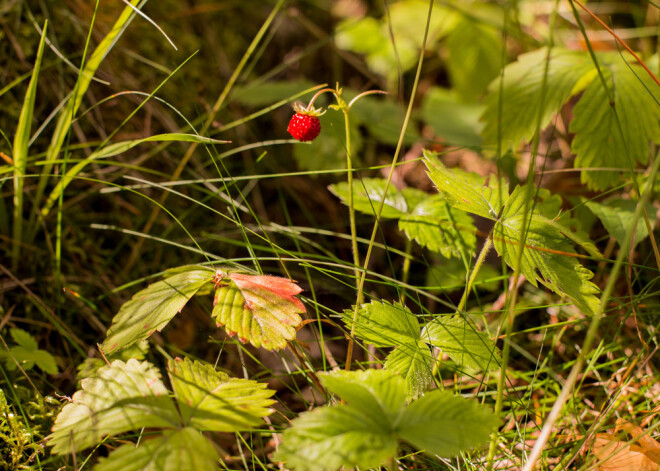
x=214 y=260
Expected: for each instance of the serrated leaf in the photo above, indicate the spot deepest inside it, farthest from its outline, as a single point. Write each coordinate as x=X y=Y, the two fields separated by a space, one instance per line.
x=442 y=424
x=262 y=310
x=383 y=324
x=380 y=394
x=460 y=339
x=174 y=450
x=328 y=438
x=615 y=135
x=368 y=194
x=27 y=358
x=523 y=93
x=121 y=397
x=548 y=256
x=467 y=191
x=23 y=339
x=27 y=353
x=434 y=225
x=449 y=275
x=414 y=363
x=154 y=307
x=617 y=217
x=211 y=400
x=550 y=206
x=362 y=433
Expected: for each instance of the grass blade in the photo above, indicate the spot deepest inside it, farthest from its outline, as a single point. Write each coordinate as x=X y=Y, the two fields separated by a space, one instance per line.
x=20 y=154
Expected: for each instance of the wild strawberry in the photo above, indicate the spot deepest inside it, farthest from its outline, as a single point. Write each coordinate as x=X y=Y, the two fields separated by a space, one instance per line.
x=305 y=125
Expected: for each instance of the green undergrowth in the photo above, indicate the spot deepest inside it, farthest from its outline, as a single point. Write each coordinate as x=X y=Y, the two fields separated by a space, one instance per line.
x=459 y=272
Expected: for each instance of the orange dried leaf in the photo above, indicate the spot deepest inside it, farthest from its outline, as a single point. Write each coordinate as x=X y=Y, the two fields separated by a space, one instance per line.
x=614 y=454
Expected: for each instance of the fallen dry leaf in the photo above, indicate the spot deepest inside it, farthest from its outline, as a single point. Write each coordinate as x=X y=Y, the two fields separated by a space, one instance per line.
x=614 y=454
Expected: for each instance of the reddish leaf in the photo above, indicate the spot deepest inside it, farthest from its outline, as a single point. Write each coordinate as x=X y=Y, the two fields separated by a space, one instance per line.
x=261 y=310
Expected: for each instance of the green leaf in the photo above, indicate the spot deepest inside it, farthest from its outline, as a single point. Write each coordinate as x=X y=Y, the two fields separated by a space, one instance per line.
x=548 y=257
x=27 y=354
x=121 y=397
x=368 y=194
x=475 y=56
x=28 y=357
x=383 y=324
x=435 y=225
x=23 y=339
x=442 y=424
x=152 y=308
x=379 y=394
x=617 y=216
x=262 y=310
x=467 y=191
x=384 y=119
x=175 y=450
x=211 y=400
x=449 y=275
x=568 y=72
x=364 y=434
x=550 y=206
x=328 y=438
x=459 y=338
x=615 y=135
x=414 y=363
x=464 y=127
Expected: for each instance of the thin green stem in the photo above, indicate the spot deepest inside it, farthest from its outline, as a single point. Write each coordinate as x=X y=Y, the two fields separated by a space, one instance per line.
x=468 y=287
x=475 y=271
x=351 y=208
x=405 y=270
x=395 y=159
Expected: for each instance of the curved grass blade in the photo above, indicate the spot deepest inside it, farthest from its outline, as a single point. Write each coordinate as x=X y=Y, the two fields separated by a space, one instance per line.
x=20 y=154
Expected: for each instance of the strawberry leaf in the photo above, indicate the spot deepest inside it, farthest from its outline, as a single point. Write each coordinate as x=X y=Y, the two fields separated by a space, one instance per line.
x=368 y=194
x=548 y=256
x=414 y=362
x=27 y=354
x=615 y=135
x=211 y=400
x=175 y=450
x=328 y=438
x=460 y=340
x=262 y=310
x=475 y=52
x=365 y=431
x=467 y=191
x=154 y=307
x=617 y=216
x=23 y=339
x=383 y=325
x=434 y=225
x=442 y=424
x=380 y=394
x=512 y=116
x=121 y=397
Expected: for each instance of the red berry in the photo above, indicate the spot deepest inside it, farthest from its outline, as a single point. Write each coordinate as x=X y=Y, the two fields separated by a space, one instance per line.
x=304 y=127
